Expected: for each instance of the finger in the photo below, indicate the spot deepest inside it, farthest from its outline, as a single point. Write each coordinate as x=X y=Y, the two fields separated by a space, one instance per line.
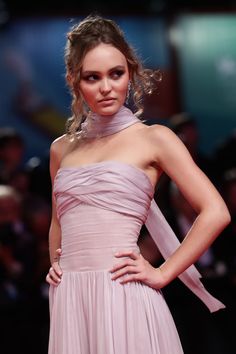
x=51 y=281
x=126 y=253
x=59 y=251
x=54 y=275
x=130 y=278
x=127 y=262
x=57 y=269
x=123 y=271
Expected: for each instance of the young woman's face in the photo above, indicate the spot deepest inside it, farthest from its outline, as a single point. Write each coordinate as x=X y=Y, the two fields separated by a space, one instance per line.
x=104 y=79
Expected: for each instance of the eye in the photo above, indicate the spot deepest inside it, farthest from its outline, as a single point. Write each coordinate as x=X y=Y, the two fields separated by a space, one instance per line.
x=117 y=74
x=92 y=77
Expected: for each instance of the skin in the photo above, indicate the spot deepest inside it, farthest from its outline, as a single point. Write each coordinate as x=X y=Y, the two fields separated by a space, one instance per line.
x=153 y=149
x=104 y=85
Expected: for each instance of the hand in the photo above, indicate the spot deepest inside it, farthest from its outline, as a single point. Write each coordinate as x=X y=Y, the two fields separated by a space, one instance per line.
x=55 y=273
x=138 y=269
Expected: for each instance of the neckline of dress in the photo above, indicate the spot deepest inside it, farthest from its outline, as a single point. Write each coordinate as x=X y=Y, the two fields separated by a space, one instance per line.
x=100 y=163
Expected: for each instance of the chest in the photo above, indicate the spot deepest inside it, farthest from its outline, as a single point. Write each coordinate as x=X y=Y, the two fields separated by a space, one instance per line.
x=129 y=148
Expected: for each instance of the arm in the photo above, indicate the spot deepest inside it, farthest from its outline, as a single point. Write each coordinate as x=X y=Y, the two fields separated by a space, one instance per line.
x=54 y=275
x=54 y=235
x=213 y=215
x=55 y=229
x=173 y=158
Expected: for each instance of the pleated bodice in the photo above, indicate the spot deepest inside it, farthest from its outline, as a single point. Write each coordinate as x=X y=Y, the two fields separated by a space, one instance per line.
x=101 y=208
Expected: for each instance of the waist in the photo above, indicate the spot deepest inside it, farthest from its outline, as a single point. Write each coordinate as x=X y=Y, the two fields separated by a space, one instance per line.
x=93 y=258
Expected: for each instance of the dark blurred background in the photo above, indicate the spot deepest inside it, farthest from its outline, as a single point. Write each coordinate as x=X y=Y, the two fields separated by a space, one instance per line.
x=194 y=46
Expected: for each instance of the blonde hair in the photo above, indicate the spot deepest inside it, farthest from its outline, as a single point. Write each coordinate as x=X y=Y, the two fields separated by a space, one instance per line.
x=85 y=36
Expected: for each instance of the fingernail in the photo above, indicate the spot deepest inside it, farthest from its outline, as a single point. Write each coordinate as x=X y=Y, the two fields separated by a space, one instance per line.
x=117 y=254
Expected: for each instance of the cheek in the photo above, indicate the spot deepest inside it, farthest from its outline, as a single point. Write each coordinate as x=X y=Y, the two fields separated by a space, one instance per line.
x=122 y=87
x=87 y=92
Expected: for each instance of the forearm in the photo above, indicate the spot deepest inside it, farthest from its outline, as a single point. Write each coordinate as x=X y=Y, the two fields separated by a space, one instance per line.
x=54 y=240
x=207 y=226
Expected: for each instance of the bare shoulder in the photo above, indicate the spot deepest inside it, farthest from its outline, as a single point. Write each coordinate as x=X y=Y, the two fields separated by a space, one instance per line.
x=58 y=149
x=167 y=146
x=59 y=143
x=161 y=134
x=158 y=136
x=161 y=137
x=60 y=146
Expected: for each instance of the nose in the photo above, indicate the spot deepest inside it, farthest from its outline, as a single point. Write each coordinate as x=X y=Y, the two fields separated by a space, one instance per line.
x=105 y=86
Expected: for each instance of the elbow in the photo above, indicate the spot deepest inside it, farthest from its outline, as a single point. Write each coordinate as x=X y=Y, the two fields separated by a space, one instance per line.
x=223 y=216
x=227 y=218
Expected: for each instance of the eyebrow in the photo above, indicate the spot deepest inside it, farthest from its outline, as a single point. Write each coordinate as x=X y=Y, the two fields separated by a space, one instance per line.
x=90 y=72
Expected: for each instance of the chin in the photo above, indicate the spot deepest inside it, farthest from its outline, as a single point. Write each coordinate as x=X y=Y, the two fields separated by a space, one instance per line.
x=109 y=110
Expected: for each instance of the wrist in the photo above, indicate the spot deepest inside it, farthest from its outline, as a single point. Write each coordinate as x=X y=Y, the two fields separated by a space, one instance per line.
x=163 y=277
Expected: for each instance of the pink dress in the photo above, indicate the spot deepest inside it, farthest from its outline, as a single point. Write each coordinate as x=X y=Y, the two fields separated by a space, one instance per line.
x=101 y=208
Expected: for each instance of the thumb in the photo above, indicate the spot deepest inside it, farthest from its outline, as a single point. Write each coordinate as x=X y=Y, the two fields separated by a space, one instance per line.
x=58 y=252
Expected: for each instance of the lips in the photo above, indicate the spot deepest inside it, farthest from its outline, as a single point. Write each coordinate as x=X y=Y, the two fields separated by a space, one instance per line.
x=107 y=99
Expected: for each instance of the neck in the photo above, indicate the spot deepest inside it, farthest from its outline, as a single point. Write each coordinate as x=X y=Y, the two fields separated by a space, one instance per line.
x=97 y=126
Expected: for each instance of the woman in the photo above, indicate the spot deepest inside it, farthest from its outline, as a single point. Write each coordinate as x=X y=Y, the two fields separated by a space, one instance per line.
x=105 y=297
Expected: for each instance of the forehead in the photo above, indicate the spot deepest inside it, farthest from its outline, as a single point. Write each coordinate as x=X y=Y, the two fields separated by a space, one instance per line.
x=103 y=56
